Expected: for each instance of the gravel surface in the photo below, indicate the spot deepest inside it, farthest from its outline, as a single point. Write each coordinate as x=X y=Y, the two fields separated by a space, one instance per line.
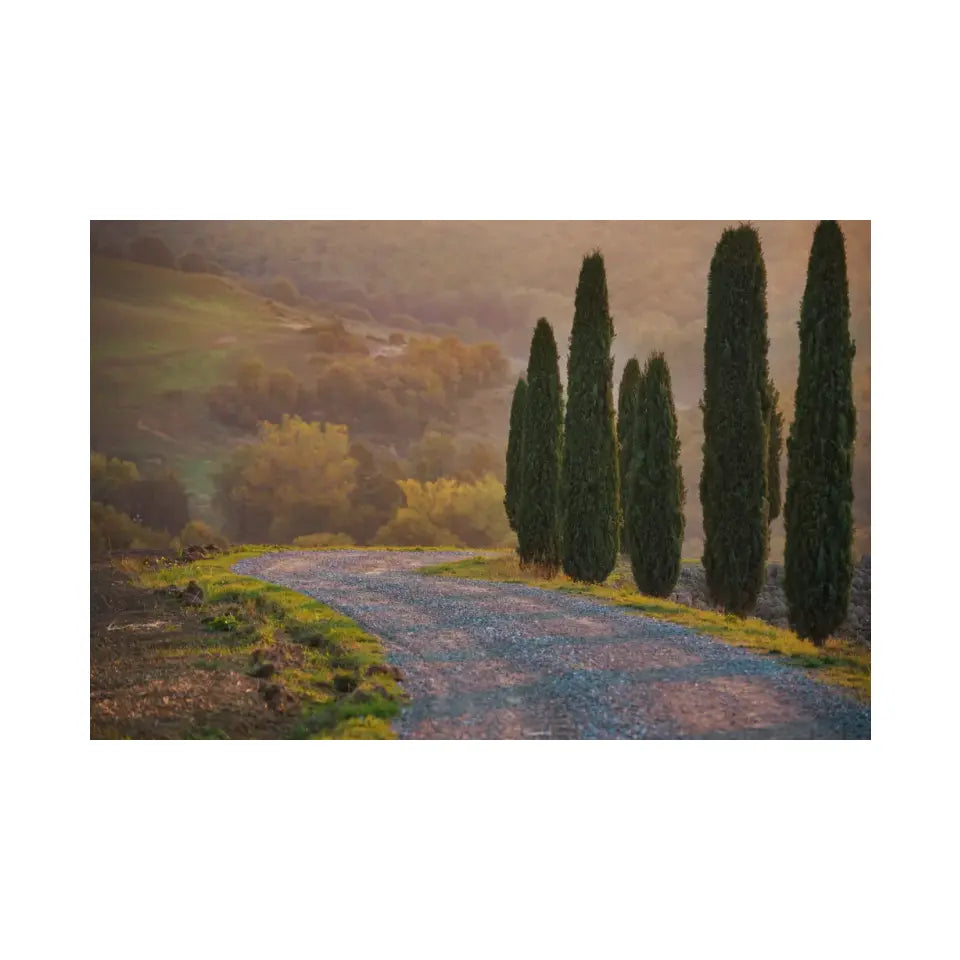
x=505 y=661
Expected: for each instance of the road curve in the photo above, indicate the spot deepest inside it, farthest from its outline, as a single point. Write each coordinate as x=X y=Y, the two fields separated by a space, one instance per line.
x=506 y=661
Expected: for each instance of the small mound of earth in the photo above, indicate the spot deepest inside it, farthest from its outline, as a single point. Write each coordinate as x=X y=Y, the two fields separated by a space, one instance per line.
x=771 y=607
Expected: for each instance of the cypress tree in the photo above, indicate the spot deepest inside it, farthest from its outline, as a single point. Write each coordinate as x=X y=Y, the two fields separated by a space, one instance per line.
x=733 y=482
x=538 y=526
x=591 y=469
x=774 y=420
x=818 y=513
x=626 y=424
x=511 y=501
x=655 y=522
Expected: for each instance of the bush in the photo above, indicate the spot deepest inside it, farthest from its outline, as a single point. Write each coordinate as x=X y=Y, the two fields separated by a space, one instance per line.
x=158 y=501
x=153 y=251
x=112 y=530
x=199 y=534
x=448 y=512
x=324 y=540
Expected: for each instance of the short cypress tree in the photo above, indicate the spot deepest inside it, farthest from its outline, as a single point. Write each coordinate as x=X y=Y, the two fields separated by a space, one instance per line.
x=733 y=482
x=774 y=420
x=511 y=501
x=818 y=513
x=655 y=522
x=538 y=526
x=626 y=425
x=591 y=468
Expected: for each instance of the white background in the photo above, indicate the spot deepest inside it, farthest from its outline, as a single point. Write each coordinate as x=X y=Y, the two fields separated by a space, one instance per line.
x=483 y=111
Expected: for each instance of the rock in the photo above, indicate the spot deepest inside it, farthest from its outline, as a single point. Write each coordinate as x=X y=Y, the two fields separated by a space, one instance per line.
x=192 y=594
x=273 y=694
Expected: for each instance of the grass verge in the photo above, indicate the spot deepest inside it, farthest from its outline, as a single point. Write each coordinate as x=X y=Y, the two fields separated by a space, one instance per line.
x=838 y=662
x=250 y=660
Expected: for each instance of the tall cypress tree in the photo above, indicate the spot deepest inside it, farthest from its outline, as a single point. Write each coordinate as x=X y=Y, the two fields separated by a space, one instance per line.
x=818 y=513
x=538 y=527
x=511 y=501
x=591 y=469
x=626 y=425
x=655 y=522
x=733 y=483
x=774 y=420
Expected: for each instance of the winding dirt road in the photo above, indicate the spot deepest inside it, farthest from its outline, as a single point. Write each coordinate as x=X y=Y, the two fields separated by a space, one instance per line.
x=504 y=661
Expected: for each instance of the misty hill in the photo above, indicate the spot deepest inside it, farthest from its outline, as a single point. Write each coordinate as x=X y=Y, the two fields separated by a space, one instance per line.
x=170 y=352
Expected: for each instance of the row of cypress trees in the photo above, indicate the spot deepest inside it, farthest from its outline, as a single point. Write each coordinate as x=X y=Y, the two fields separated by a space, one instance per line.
x=579 y=481
x=578 y=476
x=742 y=425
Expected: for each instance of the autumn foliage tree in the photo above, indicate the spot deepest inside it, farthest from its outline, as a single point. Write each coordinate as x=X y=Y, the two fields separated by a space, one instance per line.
x=591 y=468
x=296 y=479
x=818 y=513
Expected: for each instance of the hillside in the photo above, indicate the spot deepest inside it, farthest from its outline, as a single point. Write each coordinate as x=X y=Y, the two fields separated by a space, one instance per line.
x=161 y=340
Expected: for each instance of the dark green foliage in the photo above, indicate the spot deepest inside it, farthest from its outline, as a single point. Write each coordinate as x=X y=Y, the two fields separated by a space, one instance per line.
x=626 y=425
x=514 y=454
x=733 y=484
x=591 y=469
x=774 y=419
x=538 y=527
x=818 y=513
x=158 y=501
x=655 y=521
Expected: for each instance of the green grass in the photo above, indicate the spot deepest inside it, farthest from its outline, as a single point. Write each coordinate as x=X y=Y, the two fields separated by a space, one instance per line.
x=336 y=670
x=838 y=662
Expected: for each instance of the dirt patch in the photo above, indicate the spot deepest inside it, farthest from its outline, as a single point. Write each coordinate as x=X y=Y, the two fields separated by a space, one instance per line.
x=146 y=681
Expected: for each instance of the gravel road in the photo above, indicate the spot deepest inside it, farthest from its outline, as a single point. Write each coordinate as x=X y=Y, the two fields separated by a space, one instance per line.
x=507 y=661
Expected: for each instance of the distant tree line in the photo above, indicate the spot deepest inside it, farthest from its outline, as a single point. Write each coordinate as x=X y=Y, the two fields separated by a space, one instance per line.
x=576 y=495
x=397 y=396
